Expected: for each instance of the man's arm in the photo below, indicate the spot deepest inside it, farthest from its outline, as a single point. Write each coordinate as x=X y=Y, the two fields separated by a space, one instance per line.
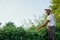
x=44 y=24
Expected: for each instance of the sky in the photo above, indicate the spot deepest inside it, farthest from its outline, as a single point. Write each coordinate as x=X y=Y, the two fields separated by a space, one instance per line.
x=18 y=10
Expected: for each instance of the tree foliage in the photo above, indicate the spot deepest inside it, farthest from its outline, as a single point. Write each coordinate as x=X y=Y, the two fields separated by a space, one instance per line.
x=56 y=9
x=11 y=32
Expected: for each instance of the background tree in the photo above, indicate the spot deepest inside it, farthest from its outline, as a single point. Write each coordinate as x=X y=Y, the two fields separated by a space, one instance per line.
x=56 y=9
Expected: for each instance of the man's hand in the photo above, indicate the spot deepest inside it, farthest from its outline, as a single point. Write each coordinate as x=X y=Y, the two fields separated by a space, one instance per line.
x=43 y=25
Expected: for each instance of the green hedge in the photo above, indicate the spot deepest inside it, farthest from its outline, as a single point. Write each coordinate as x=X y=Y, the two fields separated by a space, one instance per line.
x=10 y=32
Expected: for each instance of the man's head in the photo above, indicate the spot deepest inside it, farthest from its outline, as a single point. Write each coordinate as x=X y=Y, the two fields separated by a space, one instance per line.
x=48 y=11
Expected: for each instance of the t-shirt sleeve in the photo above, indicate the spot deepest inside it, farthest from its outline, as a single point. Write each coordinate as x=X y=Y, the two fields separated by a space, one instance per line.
x=48 y=18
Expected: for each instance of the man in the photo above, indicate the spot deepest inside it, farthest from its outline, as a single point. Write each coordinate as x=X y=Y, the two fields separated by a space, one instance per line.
x=51 y=24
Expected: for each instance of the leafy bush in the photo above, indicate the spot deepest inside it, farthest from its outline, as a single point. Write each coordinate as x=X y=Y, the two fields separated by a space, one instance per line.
x=11 y=32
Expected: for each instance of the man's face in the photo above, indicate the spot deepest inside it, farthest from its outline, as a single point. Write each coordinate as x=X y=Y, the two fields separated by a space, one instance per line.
x=47 y=12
